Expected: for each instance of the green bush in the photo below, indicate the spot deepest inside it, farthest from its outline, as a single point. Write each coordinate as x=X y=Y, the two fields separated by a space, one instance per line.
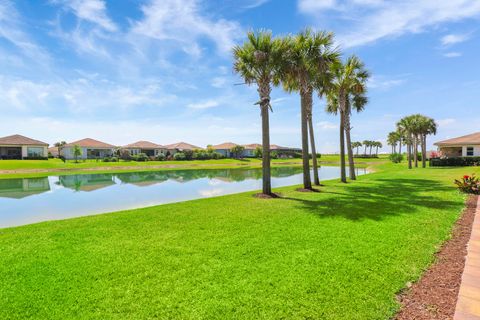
x=160 y=157
x=179 y=156
x=469 y=184
x=455 y=162
x=106 y=159
x=273 y=155
x=113 y=159
x=396 y=157
x=142 y=157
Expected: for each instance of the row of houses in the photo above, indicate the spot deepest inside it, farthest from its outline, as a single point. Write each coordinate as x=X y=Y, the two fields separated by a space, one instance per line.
x=21 y=147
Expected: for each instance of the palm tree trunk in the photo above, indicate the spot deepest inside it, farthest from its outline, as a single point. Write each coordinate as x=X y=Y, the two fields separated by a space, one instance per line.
x=370 y=153
x=264 y=92
x=424 y=151
x=307 y=183
x=316 y=180
x=343 y=175
x=409 y=152
x=400 y=147
x=365 y=150
x=415 y=143
x=351 y=164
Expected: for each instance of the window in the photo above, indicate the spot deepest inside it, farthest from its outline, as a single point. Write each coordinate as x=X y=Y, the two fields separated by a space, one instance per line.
x=469 y=151
x=34 y=152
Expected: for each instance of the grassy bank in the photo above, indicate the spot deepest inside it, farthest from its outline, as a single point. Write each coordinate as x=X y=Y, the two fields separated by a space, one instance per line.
x=342 y=253
x=42 y=168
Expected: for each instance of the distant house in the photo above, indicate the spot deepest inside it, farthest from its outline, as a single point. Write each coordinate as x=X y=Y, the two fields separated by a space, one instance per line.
x=181 y=146
x=149 y=148
x=224 y=148
x=53 y=151
x=91 y=149
x=284 y=150
x=464 y=146
x=249 y=151
x=21 y=147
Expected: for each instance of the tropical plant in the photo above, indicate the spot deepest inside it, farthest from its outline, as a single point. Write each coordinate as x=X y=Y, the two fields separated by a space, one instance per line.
x=310 y=56
x=257 y=153
x=346 y=93
x=179 y=156
x=59 y=145
x=396 y=157
x=366 y=144
x=260 y=61
x=77 y=152
x=427 y=127
x=469 y=184
x=377 y=144
x=392 y=140
x=237 y=151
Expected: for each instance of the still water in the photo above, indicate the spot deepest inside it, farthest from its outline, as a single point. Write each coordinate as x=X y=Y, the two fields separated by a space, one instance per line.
x=24 y=201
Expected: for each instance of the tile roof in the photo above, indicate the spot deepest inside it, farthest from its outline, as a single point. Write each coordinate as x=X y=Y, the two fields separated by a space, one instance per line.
x=17 y=139
x=252 y=146
x=182 y=146
x=90 y=143
x=225 y=145
x=53 y=151
x=473 y=138
x=143 y=145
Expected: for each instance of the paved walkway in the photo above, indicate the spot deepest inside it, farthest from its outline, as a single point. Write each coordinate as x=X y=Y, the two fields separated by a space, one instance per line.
x=468 y=303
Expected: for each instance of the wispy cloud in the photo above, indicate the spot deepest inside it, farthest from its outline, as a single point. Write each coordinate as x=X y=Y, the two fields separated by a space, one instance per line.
x=450 y=39
x=382 y=19
x=453 y=54
x=255 y=4
x=183 y=22
x=326 y=125
x=385 y=83
x=93 y=11
x=204 y=104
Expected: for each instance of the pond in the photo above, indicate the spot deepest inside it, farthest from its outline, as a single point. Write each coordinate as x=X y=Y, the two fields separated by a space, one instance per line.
x=29 y=200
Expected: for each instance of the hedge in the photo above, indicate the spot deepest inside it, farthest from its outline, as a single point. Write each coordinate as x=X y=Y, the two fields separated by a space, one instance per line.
x=455 y=162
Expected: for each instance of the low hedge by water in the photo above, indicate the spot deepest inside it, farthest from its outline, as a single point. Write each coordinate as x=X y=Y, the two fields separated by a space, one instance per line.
x=455 y=162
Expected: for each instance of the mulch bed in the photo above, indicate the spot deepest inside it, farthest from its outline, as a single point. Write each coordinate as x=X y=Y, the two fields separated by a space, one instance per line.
x=266 y=196
x=434 y=296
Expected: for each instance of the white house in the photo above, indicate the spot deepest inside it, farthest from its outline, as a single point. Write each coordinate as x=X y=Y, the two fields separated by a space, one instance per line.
x=464 y=146
x=21 y=147
x=91 y=149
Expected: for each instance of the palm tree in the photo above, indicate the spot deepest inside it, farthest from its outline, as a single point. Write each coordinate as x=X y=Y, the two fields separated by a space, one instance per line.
x=366 y=144
x=427 y=126
x=260 y=61
x=347 y=91
x=377 y=144
x=59 y=146
x=406 y=126
x=392 y=140
x=309 y=58
x=356 y=145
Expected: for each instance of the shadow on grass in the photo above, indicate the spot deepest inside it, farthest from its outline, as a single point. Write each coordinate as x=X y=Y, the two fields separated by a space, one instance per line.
x=377 y=199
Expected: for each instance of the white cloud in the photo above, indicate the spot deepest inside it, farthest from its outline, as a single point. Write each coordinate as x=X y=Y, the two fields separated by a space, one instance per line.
x=219 y=82
x=363 y=25
x=381 y=82
x=94 y=11
x=204 y=104
x=445 y=122
x=183 y=22
x=326 y=125
x=255 y=3
x=450 y=39
x=453 y=54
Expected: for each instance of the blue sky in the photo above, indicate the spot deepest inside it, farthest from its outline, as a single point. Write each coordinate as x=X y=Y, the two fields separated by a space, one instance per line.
x=161 y=70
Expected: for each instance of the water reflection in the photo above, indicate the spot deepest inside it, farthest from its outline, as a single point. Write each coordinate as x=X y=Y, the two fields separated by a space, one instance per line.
x=29 y=200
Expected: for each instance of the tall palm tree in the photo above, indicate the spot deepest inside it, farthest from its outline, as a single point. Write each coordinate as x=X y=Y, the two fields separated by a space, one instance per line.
x=377 y=144
x=392 y=140
x=366 y=144
x=260 y=61
x=346 y=91
x=309 y=58
x=427 y=127
x=406 y=126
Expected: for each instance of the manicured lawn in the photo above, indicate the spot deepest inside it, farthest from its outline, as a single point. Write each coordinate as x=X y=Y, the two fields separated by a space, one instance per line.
x=342 y=253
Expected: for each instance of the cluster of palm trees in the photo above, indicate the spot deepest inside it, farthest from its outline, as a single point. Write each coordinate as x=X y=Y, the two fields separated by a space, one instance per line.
x=412 y=131
x=307 y=63
x=367 y=144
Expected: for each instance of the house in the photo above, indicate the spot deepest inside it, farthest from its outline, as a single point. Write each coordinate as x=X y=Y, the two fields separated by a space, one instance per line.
x=284 y=152
x=224 y=148
x=180 y=147
x=464 y=146
x=53 y=151
x=91 y=149
x=21 y=147
x=249 y=151
x=149 y=148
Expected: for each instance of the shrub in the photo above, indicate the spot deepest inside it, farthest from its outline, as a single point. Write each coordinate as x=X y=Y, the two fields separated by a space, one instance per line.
x=396 y=157
x=125 y=155
x=273 y=155
x=106 y=159
x=160 y=157
x=179 y=156
x=257 y=153
x=113 y=159
x=35 y=158
x=469 y=184
x=188 y=154
x=455 y=162
x=142 y=157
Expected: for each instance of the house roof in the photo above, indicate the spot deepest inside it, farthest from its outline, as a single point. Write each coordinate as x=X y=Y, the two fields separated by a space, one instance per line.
x=182 y=146
x=473 y=138
x=252 y=146
x=225 y=145
x=143 y=145
x=90 y=143
x=17 y=139
x=53 y=151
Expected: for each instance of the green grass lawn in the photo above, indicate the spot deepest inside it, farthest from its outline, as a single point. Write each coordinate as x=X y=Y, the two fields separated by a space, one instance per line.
x=342 y=253
x=41 y=168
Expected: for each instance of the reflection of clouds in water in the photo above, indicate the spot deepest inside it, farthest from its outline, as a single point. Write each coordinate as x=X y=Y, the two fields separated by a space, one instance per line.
x=214 y=182
x=211 y=193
